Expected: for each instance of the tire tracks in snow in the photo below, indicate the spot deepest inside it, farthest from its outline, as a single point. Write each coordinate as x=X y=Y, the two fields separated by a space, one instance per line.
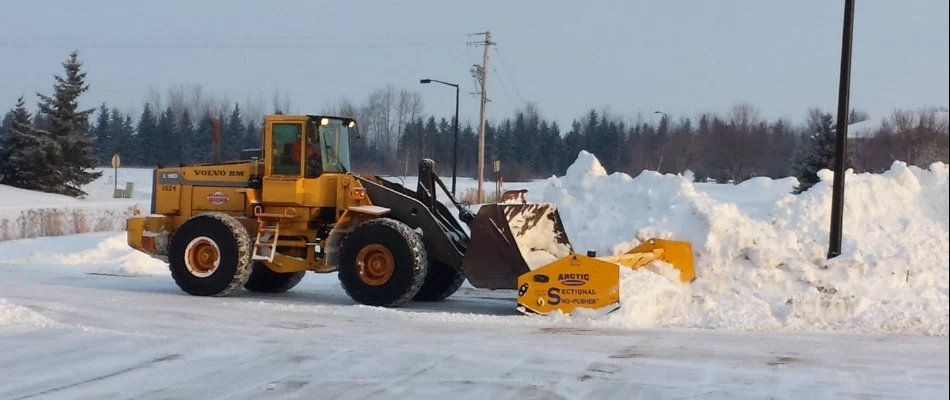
x=133 y=368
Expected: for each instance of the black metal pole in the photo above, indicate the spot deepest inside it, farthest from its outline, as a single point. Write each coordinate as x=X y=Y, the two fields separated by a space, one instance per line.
x=455 y=145
x=841 y=139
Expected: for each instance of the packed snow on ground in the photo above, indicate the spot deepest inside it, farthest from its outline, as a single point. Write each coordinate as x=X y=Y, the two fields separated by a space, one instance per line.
x=760 y=251
x=67 y=331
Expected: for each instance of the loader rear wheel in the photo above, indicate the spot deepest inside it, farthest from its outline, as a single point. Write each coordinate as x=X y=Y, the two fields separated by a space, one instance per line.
x=265 y=280
x=441 y=282
x=382 y=263
x=210 y=255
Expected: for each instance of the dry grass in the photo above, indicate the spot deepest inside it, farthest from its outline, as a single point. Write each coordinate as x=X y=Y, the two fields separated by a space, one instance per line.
x=39 y=222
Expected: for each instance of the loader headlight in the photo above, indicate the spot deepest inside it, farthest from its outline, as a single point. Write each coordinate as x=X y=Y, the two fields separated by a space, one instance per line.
x=358 y=193
x=324 y=121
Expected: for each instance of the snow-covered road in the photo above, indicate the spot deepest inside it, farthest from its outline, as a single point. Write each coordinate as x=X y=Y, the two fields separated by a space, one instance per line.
x=67 y=333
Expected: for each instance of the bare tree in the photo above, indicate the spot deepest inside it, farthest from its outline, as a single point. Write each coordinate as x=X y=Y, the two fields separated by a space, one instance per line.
x=280 y=103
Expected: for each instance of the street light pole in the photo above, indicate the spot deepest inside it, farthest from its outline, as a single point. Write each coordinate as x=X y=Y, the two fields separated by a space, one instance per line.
x=455 y=142
x=841 y=133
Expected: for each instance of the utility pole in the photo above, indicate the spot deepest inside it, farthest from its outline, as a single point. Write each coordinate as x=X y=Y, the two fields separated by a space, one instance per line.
x=480 y=72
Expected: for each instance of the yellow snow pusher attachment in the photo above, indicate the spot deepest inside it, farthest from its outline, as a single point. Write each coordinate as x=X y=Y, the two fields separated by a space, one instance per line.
x=524 y=246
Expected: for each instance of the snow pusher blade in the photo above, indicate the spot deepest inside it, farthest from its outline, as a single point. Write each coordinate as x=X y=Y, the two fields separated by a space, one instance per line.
x=509 y=240
x=592 y=282
x=568 y=283
x=676 y=253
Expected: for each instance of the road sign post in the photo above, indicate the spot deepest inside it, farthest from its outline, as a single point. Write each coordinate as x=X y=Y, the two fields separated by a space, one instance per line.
x=115 y=171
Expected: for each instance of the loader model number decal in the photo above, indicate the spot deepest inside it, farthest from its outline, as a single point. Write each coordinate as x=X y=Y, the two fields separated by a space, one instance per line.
x=566 y=296
x=218 y=198
x=573 y=279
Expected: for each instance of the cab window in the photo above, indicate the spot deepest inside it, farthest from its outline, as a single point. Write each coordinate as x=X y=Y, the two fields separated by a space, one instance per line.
x=314 y=162
x=285 y=149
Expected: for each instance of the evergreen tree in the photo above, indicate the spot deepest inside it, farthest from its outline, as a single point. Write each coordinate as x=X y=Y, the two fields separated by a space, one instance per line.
x=147 y=137
x=252 y=136
x=816 y=153
x=169 y=147
x=186 y=132
x=201 y=149
x=5 y=124
x=232 y=135
x=102 y=132
x=121 y=132
x=28 y=155
x=69 y=127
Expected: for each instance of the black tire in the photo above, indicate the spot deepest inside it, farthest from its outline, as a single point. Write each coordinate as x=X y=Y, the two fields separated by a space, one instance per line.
x=441 y=282
x=265 y=280
x=409 y=262
x=232 y=245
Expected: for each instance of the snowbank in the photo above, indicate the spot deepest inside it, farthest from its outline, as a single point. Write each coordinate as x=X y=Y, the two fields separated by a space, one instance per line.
x=27 y=214
x=104 y=253
x=760 y=251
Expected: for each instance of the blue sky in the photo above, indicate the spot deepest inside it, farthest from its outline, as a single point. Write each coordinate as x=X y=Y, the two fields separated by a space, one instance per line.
x=629 y=57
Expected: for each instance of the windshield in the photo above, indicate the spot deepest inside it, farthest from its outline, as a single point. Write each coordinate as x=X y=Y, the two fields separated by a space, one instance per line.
x=334 y=145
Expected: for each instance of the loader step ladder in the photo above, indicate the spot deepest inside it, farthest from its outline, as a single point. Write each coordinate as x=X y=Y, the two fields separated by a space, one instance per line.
x=268 y=231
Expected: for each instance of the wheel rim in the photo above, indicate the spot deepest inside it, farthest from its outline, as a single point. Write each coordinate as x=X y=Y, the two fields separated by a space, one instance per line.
x=375 y=264
x=202 y=256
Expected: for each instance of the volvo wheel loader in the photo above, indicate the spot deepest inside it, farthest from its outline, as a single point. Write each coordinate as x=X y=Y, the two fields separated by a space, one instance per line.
x=261 y=223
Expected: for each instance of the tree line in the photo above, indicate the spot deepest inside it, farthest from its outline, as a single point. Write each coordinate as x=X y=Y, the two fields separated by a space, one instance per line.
x=52 y=148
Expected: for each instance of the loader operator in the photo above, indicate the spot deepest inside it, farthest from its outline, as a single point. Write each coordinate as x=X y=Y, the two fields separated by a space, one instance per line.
x=314 y=162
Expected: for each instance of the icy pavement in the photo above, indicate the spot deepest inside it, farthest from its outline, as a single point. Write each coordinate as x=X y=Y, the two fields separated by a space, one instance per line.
x=68 y=332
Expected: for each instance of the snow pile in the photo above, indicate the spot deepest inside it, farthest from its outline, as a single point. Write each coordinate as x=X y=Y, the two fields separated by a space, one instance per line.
x=106 y=253
x=762 y=266
x=14 y=314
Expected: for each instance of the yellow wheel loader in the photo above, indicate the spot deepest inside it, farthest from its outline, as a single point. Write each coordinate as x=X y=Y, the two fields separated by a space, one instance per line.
x=260 y=223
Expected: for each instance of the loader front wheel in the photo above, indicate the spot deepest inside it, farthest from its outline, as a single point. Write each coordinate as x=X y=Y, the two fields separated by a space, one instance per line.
x=441 y=282
x=209 y=255
x=265 y=280
x=382 y=263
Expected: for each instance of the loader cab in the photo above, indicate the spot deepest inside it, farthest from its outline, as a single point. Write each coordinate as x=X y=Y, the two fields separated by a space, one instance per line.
x=302 y=153
x=307 y=146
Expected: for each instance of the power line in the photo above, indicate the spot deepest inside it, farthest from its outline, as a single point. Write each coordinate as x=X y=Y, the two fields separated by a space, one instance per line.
x=503 y=87
x=257 y=42
x=507 y=73
x=220 y=46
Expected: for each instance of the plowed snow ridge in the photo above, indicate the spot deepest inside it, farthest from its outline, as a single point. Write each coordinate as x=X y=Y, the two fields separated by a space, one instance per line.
x=762 y=266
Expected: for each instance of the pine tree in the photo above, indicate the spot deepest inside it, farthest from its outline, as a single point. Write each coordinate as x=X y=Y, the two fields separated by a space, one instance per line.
x=817 y=152
x=252 y=136
x=169 y=147
x=102 y=131
x=121 y=130
x=69 y=128
x=186 y=131
x=232 y=134
x=30 y=151
x=5 y=124
x=147 y=137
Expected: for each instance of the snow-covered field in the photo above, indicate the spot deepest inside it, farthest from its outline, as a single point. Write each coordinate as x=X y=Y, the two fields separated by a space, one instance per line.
x=83 y=316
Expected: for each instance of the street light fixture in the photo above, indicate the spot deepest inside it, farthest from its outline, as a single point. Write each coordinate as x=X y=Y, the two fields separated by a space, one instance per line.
x=455 y=143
